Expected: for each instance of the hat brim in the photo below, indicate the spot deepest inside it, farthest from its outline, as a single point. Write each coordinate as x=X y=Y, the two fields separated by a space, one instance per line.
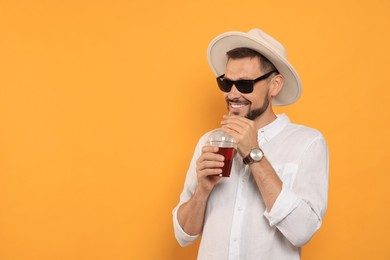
x=217 y=58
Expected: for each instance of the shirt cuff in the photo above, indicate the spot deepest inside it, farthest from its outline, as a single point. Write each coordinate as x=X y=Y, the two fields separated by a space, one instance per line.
x=285 y=203
x=181 y=236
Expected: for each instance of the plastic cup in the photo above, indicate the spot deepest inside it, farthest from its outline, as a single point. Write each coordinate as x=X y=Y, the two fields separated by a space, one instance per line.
x=226 y=147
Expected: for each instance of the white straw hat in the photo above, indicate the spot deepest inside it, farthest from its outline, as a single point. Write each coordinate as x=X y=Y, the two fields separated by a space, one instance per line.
x=263 y=43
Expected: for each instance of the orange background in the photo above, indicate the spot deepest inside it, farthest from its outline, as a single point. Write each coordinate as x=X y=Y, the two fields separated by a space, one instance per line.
x=102 y=102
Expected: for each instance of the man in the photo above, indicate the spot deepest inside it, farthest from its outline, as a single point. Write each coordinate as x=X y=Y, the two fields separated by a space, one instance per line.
x=276 y=197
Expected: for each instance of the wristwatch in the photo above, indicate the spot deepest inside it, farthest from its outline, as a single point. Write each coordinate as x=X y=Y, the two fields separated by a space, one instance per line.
x=256 y=155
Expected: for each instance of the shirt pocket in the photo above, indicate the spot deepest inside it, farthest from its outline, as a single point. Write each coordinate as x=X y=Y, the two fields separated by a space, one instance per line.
x=287 y=173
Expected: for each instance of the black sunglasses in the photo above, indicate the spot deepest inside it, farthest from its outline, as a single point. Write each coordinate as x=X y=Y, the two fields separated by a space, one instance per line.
x=244 y=86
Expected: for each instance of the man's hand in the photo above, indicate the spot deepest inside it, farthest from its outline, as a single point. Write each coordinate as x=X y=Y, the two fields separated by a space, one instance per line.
x=243 y=131
x=208 y=168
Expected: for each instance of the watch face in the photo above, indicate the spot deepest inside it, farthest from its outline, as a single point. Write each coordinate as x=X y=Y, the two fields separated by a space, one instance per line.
x=256 y=154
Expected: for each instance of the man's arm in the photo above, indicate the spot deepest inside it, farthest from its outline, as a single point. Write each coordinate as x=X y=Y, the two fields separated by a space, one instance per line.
x=191 y=214
x=296 y=213
x=267 y=181
x=299 y=210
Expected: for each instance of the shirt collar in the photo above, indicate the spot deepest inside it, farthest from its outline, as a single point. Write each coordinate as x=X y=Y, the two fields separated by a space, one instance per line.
x=272 y=129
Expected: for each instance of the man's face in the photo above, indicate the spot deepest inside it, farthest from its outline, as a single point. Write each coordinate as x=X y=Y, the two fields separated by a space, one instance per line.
x=250 y=105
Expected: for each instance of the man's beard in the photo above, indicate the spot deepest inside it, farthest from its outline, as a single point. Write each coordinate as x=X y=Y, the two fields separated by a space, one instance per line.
x=253 y=113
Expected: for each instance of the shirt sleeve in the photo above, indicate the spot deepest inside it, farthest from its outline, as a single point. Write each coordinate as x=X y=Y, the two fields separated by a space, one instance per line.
x=190 y=184
x=298 y=211
x=181 y=236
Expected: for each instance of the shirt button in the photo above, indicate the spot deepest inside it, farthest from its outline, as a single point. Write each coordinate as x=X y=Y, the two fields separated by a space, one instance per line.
x=235 y=239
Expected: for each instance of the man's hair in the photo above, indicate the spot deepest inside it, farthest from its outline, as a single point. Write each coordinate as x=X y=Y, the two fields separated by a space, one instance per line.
x=243 y=52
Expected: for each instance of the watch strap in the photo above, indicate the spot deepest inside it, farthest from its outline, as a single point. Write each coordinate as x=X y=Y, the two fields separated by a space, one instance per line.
x=247 y=159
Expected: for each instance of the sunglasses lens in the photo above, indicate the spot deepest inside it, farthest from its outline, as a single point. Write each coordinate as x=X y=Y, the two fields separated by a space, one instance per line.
x=224 y=84
x=244 y=86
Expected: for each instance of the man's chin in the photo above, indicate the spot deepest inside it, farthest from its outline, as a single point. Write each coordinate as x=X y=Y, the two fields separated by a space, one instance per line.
x=237 y=112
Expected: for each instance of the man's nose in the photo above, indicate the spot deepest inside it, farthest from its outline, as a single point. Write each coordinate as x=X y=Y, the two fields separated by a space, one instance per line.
x=234 y=92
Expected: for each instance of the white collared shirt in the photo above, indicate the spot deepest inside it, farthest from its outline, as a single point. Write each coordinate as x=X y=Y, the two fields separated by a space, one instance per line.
x=237 y=225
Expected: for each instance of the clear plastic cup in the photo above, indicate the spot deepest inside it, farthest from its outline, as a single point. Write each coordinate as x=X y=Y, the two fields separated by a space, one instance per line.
x=226 y=147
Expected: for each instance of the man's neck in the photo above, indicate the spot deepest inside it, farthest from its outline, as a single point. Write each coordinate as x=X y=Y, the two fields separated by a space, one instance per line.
x=266 y=118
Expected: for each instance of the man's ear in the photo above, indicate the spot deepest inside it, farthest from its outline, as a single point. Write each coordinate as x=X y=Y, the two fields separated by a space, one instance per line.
x=276 y=85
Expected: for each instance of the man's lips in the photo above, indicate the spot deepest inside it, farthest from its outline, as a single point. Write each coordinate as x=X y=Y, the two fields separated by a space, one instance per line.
x=236 y=104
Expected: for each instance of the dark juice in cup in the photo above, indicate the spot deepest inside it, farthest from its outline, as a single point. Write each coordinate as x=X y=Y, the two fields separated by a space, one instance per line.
x=226 y=147
x=228 y=153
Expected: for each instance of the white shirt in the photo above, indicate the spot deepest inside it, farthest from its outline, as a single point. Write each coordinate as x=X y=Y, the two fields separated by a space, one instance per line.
x=237 y=225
